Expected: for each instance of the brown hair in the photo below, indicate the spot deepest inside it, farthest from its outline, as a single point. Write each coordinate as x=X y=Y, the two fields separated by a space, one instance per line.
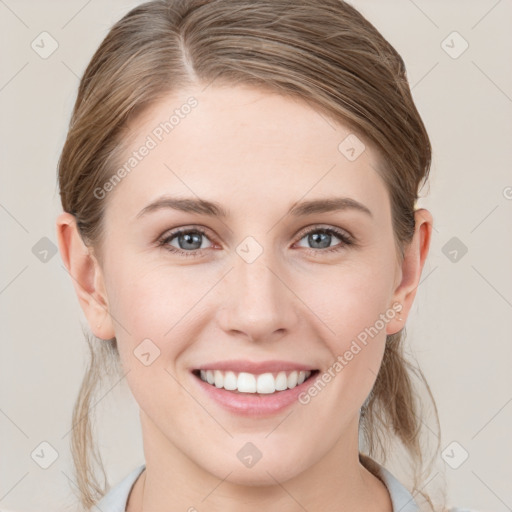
x=324 y=53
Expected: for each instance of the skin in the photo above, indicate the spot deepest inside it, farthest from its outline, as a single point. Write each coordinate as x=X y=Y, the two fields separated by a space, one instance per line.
x=256 y=153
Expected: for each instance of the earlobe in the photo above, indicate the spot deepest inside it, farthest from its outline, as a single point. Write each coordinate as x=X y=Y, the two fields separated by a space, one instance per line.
x=86 y=275
x=411 y=268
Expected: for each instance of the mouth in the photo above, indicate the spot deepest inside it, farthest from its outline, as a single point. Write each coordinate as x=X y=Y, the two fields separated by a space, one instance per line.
x=269 y=383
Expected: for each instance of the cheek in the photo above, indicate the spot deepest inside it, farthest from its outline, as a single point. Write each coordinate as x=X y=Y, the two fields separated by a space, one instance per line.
x=349 y=298
x=157 y=303
x=145 y=297
x=354 y=306
x=159 y=309
x=151 y=329
x=156 y=300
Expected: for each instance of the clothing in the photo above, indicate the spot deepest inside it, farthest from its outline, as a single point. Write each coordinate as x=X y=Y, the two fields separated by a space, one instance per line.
x=116 y=499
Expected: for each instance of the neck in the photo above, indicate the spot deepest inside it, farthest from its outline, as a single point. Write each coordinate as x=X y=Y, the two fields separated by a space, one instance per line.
x=172 y=482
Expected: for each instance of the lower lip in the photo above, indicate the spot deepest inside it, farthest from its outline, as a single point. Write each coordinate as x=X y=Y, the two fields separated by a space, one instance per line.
x=252 y=404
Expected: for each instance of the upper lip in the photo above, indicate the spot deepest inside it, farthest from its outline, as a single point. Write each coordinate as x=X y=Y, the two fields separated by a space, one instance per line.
x=255 y=367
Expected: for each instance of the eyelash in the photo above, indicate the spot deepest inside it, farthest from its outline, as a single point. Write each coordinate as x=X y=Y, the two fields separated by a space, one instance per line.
x=346 y=239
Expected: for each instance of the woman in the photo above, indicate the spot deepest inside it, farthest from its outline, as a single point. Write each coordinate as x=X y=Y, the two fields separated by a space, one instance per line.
x=239 y=184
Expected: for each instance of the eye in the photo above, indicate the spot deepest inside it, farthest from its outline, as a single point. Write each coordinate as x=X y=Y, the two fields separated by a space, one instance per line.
x=189 y=241
x=320 y=238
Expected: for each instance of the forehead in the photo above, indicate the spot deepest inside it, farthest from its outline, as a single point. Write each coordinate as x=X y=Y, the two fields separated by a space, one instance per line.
x=243 y=146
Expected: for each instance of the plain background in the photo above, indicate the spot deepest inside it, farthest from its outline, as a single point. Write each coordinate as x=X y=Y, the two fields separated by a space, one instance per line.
x=460 y=326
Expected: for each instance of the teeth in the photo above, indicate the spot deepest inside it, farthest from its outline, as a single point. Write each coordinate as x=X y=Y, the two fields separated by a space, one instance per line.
x=281 y=381
x=292 y=379
x=265 y=383
x=218 y=378
x=230 y=381
x=246 y=383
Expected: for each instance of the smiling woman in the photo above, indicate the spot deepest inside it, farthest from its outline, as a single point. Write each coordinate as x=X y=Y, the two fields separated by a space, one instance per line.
x=254 y=269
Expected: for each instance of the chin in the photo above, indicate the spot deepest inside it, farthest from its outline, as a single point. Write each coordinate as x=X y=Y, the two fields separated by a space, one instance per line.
x=261 y=474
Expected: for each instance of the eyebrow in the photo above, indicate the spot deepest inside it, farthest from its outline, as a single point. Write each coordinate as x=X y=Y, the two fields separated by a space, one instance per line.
x=214 y=209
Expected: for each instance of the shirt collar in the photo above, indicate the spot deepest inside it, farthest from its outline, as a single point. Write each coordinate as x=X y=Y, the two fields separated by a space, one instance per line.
x=117 y=498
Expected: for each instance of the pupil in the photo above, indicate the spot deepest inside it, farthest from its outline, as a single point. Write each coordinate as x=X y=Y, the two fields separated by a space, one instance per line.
x=189 y=239
x=314 y=238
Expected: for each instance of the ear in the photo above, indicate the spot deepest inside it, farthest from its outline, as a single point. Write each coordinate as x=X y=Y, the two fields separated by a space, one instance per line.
x=411 y=267
x=86 y=275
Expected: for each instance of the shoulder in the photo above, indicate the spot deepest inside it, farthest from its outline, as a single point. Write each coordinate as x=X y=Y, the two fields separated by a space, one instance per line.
x=460 y=509
x=401 y=498
x=117 y=497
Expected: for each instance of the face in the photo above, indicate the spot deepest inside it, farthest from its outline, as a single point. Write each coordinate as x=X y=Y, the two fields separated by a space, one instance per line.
x=260 y=290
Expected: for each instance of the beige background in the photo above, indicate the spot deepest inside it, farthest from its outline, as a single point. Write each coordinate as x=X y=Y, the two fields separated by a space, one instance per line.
x=459 y=330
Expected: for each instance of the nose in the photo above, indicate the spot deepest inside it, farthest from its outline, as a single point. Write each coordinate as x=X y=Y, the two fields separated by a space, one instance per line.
x=257 y=302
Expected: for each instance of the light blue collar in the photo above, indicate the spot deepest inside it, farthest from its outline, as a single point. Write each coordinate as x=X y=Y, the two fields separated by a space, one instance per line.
x=116 y=499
